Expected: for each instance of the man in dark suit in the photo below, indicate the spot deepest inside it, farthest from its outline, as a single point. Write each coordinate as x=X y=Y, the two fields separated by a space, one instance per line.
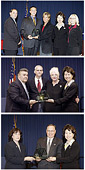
x=33 y=88
x=11 y=34
x=17 y=95
x=30 y=23
x=52 y=145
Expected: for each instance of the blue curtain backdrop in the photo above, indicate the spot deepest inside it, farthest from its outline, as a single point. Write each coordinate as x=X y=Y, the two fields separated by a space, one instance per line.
x=67 y=7
x=76 y=63
x=34 y=127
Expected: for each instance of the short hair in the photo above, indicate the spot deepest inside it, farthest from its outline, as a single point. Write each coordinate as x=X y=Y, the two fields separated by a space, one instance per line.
x=69 y=70
x=69 y=127
x=13 y=9
x=38 y=66
x=61 y=14
x=52 y=125
x=54 y=69
x=48 y=15
x=33 y=7
x=23 y=69
x=76 y=17
x=13 y=131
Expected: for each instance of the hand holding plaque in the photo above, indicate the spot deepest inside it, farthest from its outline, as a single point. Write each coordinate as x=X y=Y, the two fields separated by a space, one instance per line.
x=40 y=154
x=42 y=96
x=35 y=32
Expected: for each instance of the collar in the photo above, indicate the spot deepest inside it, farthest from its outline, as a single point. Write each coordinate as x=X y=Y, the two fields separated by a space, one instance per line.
x=71 y=142
x=38 y=79
x=68 y=144
x=63 y=25
x=32 y=17
x=68 y=84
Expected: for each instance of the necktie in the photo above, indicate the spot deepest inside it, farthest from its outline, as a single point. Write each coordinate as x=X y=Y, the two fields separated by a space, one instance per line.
x=48 y=147
x=34 y=21
x=39 y=86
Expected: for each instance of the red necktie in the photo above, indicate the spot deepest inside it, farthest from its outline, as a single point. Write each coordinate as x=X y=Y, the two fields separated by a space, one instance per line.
x=39 y=86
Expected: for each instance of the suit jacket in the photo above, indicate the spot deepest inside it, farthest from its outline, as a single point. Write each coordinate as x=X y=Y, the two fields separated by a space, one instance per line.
x=70 y=157
x=14 y=158
x=75 y=38
x=33 y=92
x=68 y=100
x=46 y=38
x=27 y=27
x=16 y=100
x=11 y=35
x=55 y=150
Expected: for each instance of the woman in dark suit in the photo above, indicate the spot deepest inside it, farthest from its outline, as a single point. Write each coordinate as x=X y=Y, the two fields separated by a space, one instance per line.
x=70 y=92
x=45 y=37
x=60 y=35
x=70 y=152
x=54 y=89
x=74 y=36
x=15 y=152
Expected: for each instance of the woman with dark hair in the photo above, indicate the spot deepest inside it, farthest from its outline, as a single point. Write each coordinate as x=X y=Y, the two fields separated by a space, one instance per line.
x=60 y=35
x=70 y=92
x=70 y=152
x=15 y=153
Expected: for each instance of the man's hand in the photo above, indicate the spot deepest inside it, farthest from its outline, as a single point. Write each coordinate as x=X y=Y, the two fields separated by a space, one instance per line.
x=30 y=37
x=31 y=102
x=38 y=159
x=29 y=158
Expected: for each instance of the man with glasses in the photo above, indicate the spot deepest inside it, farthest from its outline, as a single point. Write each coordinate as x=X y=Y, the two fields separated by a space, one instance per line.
x=52 y=145
x=35 y=86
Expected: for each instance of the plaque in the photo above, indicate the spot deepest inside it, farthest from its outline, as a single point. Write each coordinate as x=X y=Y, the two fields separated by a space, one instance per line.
x=42 y=96
x=35 y=32
x=40 y=153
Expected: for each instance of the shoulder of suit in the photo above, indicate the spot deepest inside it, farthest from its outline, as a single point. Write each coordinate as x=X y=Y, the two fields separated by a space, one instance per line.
x=58 y=140
x=42 y=139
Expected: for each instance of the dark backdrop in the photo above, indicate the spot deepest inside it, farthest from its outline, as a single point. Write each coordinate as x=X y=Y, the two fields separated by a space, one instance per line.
x=76 y=63
x=67 y=7
x=34 y=127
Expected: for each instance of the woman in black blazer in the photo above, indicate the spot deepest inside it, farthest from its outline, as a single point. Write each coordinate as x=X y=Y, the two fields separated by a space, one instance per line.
x=70 y=152
x=46 y=45
x=60 y=35
x=15 y=153
x=74 y=36
x=70 y=92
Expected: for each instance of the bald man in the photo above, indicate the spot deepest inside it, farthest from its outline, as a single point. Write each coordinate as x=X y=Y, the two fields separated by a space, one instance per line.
x=33 y=87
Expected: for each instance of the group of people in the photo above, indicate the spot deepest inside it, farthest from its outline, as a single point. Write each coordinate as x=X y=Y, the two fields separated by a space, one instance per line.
x=45 y=38
x=42 y=95
x=51 y=152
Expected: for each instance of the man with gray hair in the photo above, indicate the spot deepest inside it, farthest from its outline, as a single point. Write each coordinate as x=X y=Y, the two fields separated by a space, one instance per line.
x=17 y=99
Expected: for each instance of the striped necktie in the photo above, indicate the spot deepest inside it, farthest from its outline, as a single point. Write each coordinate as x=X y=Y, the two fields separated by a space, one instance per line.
x=34 y=21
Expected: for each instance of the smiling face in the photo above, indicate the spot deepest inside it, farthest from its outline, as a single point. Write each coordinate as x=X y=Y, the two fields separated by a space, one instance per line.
x=33 y=12
x=45 y=19
x=38 y=71
x=72 y=19
x=50 y=131
x=54 y=76
x=16 y=136
x=68 y=76
x=59 y=19
x=13 y=14
x=68 y=135
x=23 y=76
